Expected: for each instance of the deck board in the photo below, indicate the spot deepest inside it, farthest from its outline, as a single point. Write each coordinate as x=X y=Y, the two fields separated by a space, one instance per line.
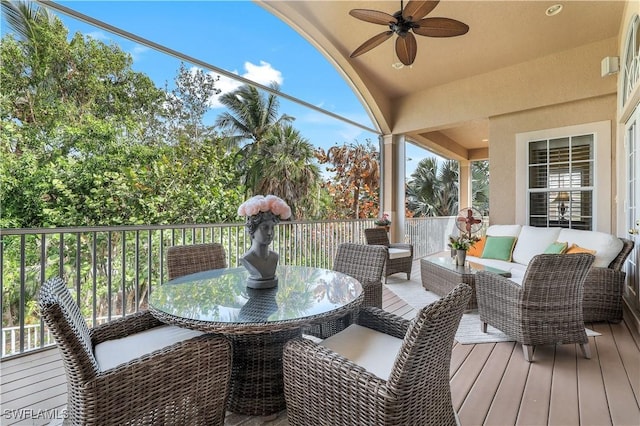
x=476 y=406
x=508 y=398
x=563 y=405
x=491 y=384
x=537 y=391
x=594 y=409
x=618 y=390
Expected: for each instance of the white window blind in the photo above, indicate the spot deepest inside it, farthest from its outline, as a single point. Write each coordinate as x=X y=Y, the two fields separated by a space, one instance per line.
x=561 y=181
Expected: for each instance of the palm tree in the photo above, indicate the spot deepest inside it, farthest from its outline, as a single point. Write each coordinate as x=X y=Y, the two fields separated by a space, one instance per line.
x=283 y=166
x=251 y=116
x=433 y=190
x=22 y=16
x=480 y=186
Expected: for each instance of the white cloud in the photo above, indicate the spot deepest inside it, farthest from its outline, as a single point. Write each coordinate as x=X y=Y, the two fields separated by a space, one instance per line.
x=137 y=51
x=98 y=35
x=263 y=74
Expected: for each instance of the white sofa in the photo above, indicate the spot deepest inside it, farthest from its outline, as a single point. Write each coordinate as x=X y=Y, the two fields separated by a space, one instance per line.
x=604 y=285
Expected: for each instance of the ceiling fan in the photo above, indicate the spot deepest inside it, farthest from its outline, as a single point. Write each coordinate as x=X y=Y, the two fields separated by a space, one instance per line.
x=407 y=19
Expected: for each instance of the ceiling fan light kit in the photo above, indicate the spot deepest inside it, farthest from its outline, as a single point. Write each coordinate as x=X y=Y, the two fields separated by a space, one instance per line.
x=405 y=23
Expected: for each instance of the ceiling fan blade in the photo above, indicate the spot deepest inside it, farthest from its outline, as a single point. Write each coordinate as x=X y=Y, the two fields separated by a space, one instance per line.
x=373 y=16
x=440 y=27
x=371 y=43
x=406 y=48
x=416 y=10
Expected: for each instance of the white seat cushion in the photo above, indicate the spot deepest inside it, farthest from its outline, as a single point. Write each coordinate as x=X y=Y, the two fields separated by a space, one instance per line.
x=114 y=352
x=533 y=241
x=504 y=230
x=396 y=253
x=374 y=351
x=607 y=246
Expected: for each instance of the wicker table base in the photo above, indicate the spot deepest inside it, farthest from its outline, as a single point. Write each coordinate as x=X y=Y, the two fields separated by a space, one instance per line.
x=440 y=275
x=257 y=386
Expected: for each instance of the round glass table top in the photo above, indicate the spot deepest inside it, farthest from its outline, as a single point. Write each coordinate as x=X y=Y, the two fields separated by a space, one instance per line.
x=222 y=296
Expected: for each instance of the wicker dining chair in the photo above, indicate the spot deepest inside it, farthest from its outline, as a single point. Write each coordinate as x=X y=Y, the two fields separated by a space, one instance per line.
x=189 y=259
x=364 y=263
x=135 y=370
x=545 y=309
x=384 y=370
x=399 y=255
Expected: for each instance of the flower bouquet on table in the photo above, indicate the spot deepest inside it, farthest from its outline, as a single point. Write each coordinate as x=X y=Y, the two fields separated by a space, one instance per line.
x=384 y=221
x=459 y=245
x=461 y=242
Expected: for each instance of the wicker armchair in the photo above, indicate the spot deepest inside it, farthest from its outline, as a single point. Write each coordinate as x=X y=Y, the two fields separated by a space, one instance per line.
x=364 y=263
x=189 y=259
x=385 y=370
x=546 y=309
x=183 y=383
x=399 y=255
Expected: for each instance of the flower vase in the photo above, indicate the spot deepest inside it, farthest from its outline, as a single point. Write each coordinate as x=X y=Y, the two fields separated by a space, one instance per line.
x=461 y=256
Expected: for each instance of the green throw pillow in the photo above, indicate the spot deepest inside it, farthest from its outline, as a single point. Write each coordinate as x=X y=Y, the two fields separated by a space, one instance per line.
x=499 y=248
x=556 y=248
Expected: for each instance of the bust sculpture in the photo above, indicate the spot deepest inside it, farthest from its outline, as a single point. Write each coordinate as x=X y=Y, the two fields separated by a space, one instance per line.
x=262 y=215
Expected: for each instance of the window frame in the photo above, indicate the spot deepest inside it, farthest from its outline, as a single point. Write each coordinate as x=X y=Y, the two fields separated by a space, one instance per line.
x=601 y=184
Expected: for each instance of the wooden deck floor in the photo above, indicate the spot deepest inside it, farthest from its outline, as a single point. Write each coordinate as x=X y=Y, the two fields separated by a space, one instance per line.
x=491 y=383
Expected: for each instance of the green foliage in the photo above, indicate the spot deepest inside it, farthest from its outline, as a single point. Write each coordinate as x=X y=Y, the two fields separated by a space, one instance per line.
x=283 y=165
x=433 y=188
x=480 y=186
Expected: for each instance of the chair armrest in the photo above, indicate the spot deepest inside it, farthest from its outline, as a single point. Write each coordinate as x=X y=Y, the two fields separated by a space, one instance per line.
x=383 y=321
x=312 y=369
x=497 y=296
x=196 y=370
x=122 y=327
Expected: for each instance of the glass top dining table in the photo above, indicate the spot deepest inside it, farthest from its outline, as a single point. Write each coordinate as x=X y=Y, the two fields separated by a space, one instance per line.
x=257 y=321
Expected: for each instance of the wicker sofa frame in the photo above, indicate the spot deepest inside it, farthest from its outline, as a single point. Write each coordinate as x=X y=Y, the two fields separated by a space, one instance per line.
x=604 y=288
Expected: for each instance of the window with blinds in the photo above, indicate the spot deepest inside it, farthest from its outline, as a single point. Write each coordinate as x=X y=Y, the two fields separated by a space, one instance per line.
x=560 y=184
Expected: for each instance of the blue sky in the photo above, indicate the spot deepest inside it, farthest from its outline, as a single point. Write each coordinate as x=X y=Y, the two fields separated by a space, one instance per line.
x=239 y=37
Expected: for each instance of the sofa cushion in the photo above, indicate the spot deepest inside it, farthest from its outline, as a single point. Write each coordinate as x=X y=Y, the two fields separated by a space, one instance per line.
x=112 y=353
x=577 y=249
x=606 y=246
x=370 y=349
x=504 y=230
x=556 y=248
x=500 y=248
x=476 y=248
x=532 y=241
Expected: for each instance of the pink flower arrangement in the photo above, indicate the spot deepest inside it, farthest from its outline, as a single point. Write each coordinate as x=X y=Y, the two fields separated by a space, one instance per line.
x=261 y=203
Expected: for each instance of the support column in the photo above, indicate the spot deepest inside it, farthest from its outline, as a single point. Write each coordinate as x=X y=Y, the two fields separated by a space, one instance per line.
x=392 y=197
x=465 y=196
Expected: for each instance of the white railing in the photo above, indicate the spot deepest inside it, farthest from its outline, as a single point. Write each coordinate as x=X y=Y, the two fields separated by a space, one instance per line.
x=113 y=269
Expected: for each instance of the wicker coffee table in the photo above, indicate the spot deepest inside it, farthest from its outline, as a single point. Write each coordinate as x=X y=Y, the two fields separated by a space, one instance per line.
x=440 y=274
x=258 y=322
